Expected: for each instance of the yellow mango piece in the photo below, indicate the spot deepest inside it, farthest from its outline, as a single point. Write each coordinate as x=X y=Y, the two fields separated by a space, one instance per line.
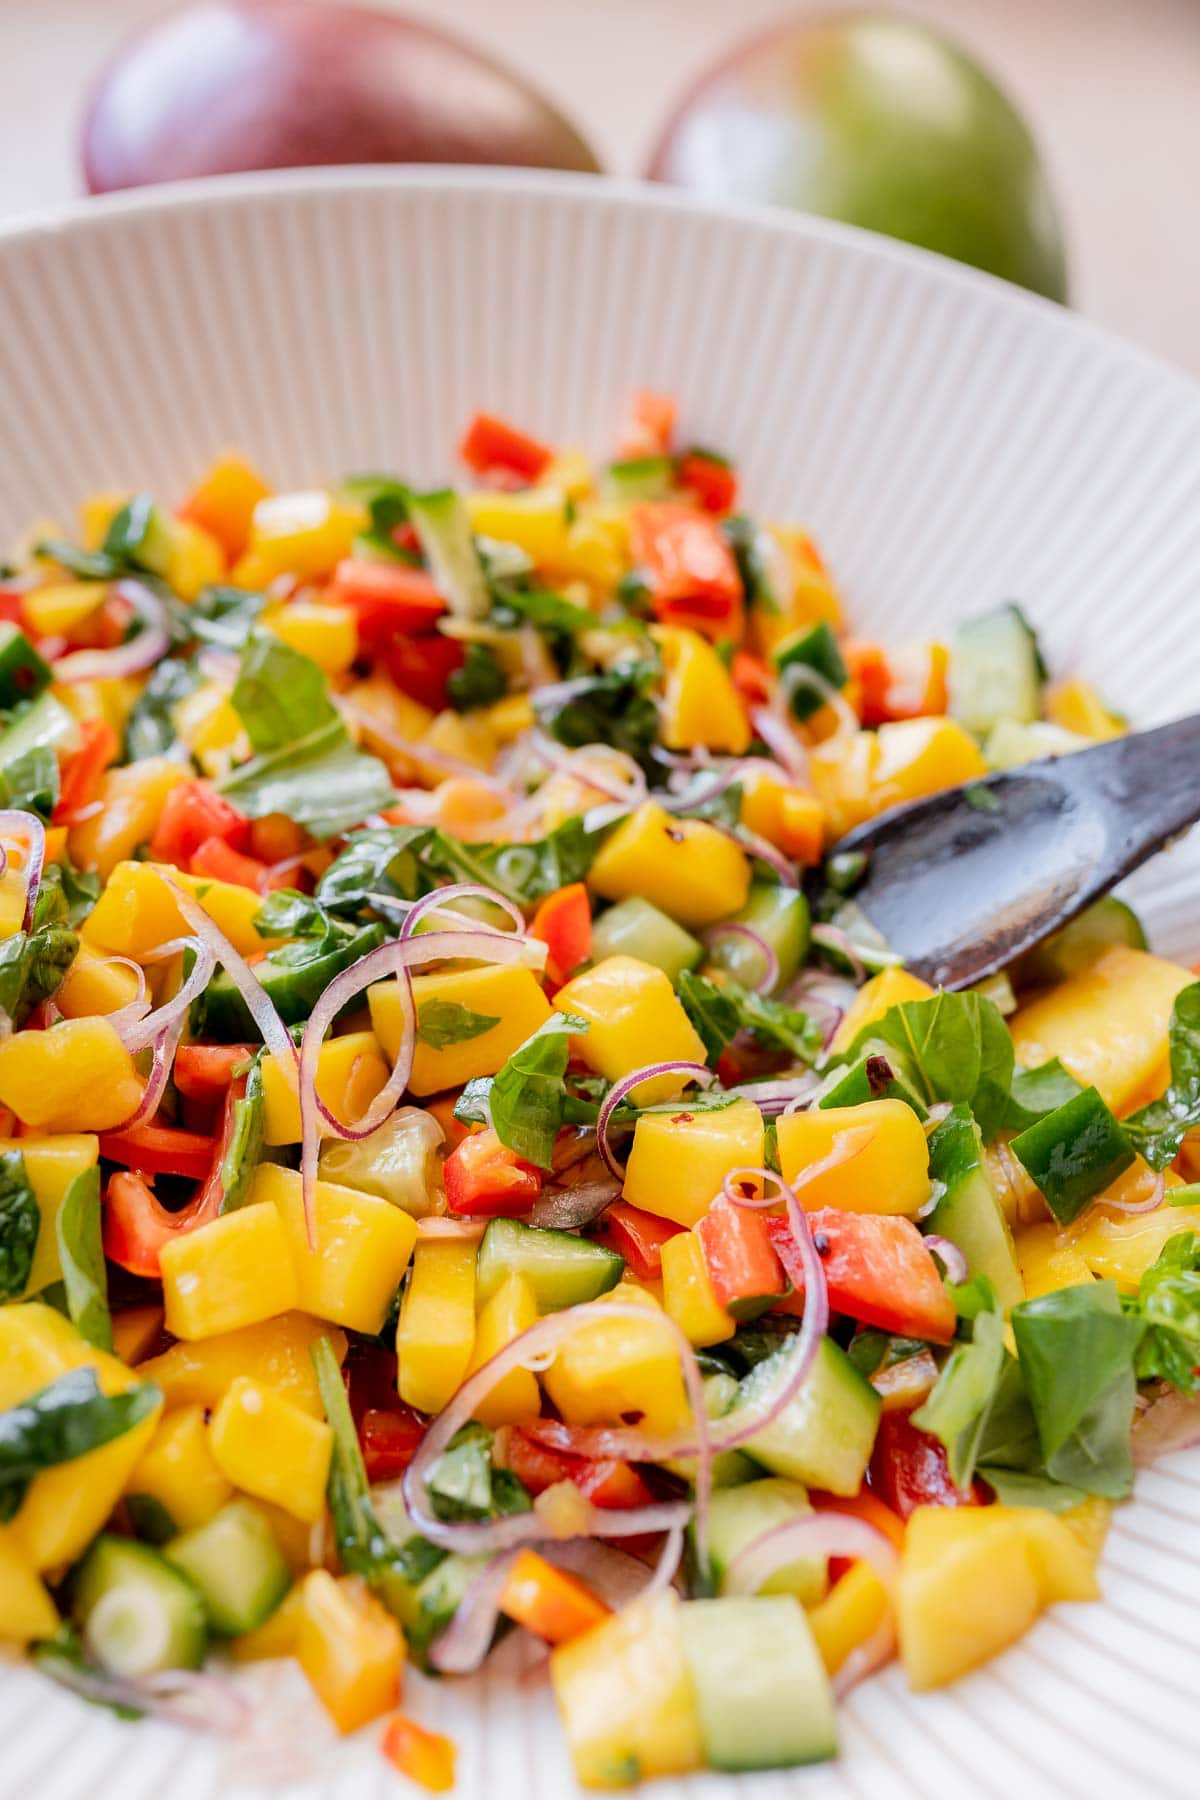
x=350 y=1647
x=512 y=997
x=223 y=501
x=625 y=1697
x=131 y=800
x=137 y=912
x=511 y=1310
x=435 y=1333
x=179 y=1471
x=535 y=519
x=634 y=1017
x=196 y=561
x=901 y=761
x=95 y=984
x=611 y=1366
x=1064 y=1558
x=1074 y=705
x=1088 y=1523
x=509 y=717
x=596 y=551
x=96 y=514
x=467 y=736
x=967 y=1588
x=804 y=593
x=326 y=633
x=236 y=1270
x=301 y=534
x=787 y=816
x=51 y=1165
x=678 y=1161
x=135 y=1330
x=686 y=868
x=688 y=1295
x=1048 y=1259
x=269 y=1448
x=1108 y=1024
x=66 y=1506
x=876 y=997
x=700 y=705
x=110 y=699
x=1122 y=1249
x=278 y=1636
x=206 y=722
x=363 y=1246
x=276 y=1354
x=75 y=1077
x=890 y=1174
x=53 y=611
x=382 y=716
x=350 y=1072
x=571 y=470
x=26 y=1609
x=851 y=1612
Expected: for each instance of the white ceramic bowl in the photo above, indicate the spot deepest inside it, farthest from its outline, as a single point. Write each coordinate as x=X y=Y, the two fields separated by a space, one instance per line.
x=951 y=441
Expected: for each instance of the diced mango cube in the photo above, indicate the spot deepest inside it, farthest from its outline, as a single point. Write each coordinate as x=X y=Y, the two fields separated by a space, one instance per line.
x=278 y=1636
x=326 y=633
x=851 y=1613
x=1122 y=1249
x=137 y=912
x=301 y=534
x=350 y=1072
x=634 y=1017
x=77 y=1076
x=179 y=1471
x=276 y=1353
x=350 y=1648
x=511 y=998
x=687 y=868
x=610 y=1367
x=700 y=705
x=53 y=611
x=679 y=1160
x=95 y=983
x=435 y=1333
x=874 y=999
x=196 y=561
x=511 y=1310
x=363 y=1246
x=51 y=1165
x=688 y=1294
x=223 y=502
x=535 y=519
x=888 y=1174
x=136 y=1329
x=234 y=1271
x=1048 y=1259
x=131 y=799
x=269 y=1448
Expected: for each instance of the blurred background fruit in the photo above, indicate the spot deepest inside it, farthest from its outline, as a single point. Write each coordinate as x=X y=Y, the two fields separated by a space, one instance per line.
x=270 y=84
x=880 y=121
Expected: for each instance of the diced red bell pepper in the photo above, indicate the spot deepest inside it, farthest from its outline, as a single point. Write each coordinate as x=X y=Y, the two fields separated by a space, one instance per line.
x=221 y=862
x=204 y=1071
x=650 y=426
x=711 y=479
x=563 y=922
x=904 y=683
x=192 y=813
x=909 y=1468
x=638 y=1236
x=159 y=1150
x=421 y=666
x=386 y=598
x=740 y=1257
x=751 y=677
x=484 y=1178
x=690 y=568
x=390 y=1438
x=136 y=1226
x=490 y=443
x=81 y=769
x=605 y=1481
x=11 y=609
x=878 y=1269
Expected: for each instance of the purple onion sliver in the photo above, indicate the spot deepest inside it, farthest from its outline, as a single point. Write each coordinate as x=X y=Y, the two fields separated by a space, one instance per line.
x=734 y=928
x=136 y=1036
x=272 y=1030
x=950 y=1256
x=761 y=850
x=462 y=1646
x=777 y=734
x=621 y=1089
x=16 y=823
x=141 y=652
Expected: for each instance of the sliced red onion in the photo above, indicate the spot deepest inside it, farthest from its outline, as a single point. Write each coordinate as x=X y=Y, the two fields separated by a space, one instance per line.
x=490 y=1536
x=617 y=1575
x=574 y=765
x=135 y=1037
x=798 y=676
x=271 y=1029
x=777 y=734
x=832 y=937
x=950 y=1256
x=733 y=928
x=441 y=899
x=462 y=1646
x=394 y=959
x=825 y=1533
x=667 y=1566
x=164 y=1048
x=1153 y=1201
x=141 y=652
x=15 y=823
x=761 y=850
x=622 y=1089
x=537 y=665
x=773 y=1098
x=690 y=796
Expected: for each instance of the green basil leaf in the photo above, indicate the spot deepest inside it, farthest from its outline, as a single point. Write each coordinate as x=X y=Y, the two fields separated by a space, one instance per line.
x=616 y=707
x=243 y=1153
x=30 y=782
x=81 y=1253
x=957 y=1410
x=20 y=1222
x=281 y=696
x=225 y=616
x=1077 y=1351
x=32 y=969
x=1036 y=1092
x=64 y=1421
x=480 y=680
x=287 y=913
x=719 y=1010
x=528 y=872
x=956 y=1048
x=66 y=896
x=1168 y=1300
x=1031 y=1487
x=150 y=727
x=441 y=1023
x=527 y=1096
x=1159 y=1129
x=385 y=859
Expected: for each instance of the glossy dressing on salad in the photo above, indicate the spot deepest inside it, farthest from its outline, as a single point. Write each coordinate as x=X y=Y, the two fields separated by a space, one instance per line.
x=466 y=1161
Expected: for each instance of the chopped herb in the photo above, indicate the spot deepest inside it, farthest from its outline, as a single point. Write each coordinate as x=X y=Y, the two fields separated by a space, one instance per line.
x=444 y=1022
x=955 y=1047
x=615 y=708
x=62 y=1422
x=20 y=1222
x=981 y=798
x=527 y=1098
x=720 y=1010
x=85 y=1273
x=1158 y=1130
x=479 y=682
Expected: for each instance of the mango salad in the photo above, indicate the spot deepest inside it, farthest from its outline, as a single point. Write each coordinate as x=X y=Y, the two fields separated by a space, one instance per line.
x=469 y=1164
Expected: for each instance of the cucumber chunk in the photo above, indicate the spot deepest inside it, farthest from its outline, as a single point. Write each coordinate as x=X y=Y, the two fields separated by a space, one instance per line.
x=47 y=723
x=138 y=1614
x=996 y=671
x=779 y=916
x=763 y=1699
x=1011 y=744
x=815 y=649
x=635 y=928
x=969 y=1212
x=23 y=673
x=825 y=1435
x=738 y=1515
x=562 y=1269
x=1078 y=944
x=236 y=1565
x=639 y=478
x=444 y=528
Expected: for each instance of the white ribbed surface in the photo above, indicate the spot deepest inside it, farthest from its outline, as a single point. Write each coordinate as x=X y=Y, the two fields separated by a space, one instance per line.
x=951 y=442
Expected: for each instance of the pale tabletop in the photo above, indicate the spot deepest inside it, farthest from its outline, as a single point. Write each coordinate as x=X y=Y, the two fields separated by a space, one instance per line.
x=1110 y=87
